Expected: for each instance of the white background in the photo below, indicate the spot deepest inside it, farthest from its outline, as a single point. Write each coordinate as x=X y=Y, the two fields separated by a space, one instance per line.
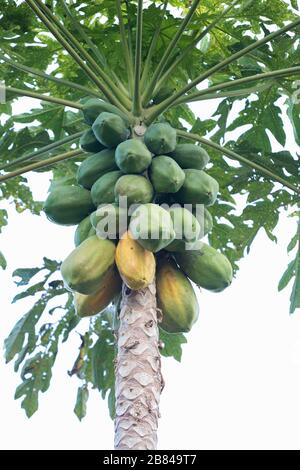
x=237 y=387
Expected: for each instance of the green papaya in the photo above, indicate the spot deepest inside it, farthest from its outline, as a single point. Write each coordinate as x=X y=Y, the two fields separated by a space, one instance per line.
x=136 y=188
x=109 y=221
x=207 y=267
x=132 y=156
x=89 y=143
x=85 y=267
x=176 y=298
x=166 y=175
x=204 y=218
x=93 y=107
x=68 y=205
x=198 y=188
x=110 y=129
x=164 y=93
x=103 y=189
x=95 y=166
x=190 y=156
x=151 y=226
x=83 y=231
x=187 y=229
x=160 y=138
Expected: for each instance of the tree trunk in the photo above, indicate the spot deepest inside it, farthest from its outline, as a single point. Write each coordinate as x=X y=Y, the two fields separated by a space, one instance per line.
x=138 y=371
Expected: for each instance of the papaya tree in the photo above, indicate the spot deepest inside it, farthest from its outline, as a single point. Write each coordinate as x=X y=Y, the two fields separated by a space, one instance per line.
x=116 y=85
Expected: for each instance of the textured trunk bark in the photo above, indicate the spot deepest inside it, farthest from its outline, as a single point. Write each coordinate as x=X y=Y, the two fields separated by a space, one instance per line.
x=138 y=371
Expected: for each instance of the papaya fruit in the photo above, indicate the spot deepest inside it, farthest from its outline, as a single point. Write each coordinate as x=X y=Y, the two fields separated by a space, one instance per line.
x=198 y=188
x=136 y=188
x=166 y=175
x=160 y=138
x=93 y=107
x=83 y=231
x=85 y=267
x=176 y=298
x=95 y=166
x=68 y=205
x=190 y=156
x=204 y=218
x=89 y=143
x=187 y=229
x=103 y=189
x=109 y=287
x=110 y=129
x=207 y=267
x=132 y=156
x=152 y=227
x=109 y=221
x=135 y=264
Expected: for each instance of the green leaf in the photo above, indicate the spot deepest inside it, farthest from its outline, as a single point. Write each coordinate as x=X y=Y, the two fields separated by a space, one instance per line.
x=14 y=343
x=81 y=402
x=287 y=276
x=295 y=295
x=3 y=263
x=172 y=344
x=26 y=274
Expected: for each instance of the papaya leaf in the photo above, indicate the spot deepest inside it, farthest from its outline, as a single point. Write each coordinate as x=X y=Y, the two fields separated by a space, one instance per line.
x=172 y=344
x=287 y=276
x=3 y=263
x=81 y=402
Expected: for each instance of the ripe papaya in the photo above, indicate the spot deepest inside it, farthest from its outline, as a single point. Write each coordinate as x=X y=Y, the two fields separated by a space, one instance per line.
x=110 y=129
x=187 y=229
x=85 y=267
x=136 y=188
x=176 y=298
x=166 y=175
x=83 y=231
x=160 y=138
x=135 y=264
x=93 y=107
x=95 y=166
x=152 y=227
x=190 y=156
x=207 y=267
x=109 y=221
x=68 y=205
x=103 y=189
x=198 y=188
x=109 y=287
x=89 y=143
x=132 y=156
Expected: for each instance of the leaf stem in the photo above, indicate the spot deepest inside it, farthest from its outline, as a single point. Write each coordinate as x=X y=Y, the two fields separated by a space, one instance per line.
x=172 y=99
x=168 y=52
x=43 y=164
x=125 y=47
x=43 y=150
x=231 y=154
x=137 y=108
x=37 y=96
x=44 y=75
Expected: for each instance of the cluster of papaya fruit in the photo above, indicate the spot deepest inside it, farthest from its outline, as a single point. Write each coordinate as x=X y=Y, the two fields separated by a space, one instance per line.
x=163 y=183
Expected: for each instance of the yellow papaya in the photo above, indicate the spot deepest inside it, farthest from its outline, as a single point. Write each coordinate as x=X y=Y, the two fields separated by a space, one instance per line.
x=136 y=264
x=109 y=287
x=85 y=267
x=176 y=298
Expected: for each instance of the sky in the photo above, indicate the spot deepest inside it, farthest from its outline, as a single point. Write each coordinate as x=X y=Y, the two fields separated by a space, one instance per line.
x=238 y=384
